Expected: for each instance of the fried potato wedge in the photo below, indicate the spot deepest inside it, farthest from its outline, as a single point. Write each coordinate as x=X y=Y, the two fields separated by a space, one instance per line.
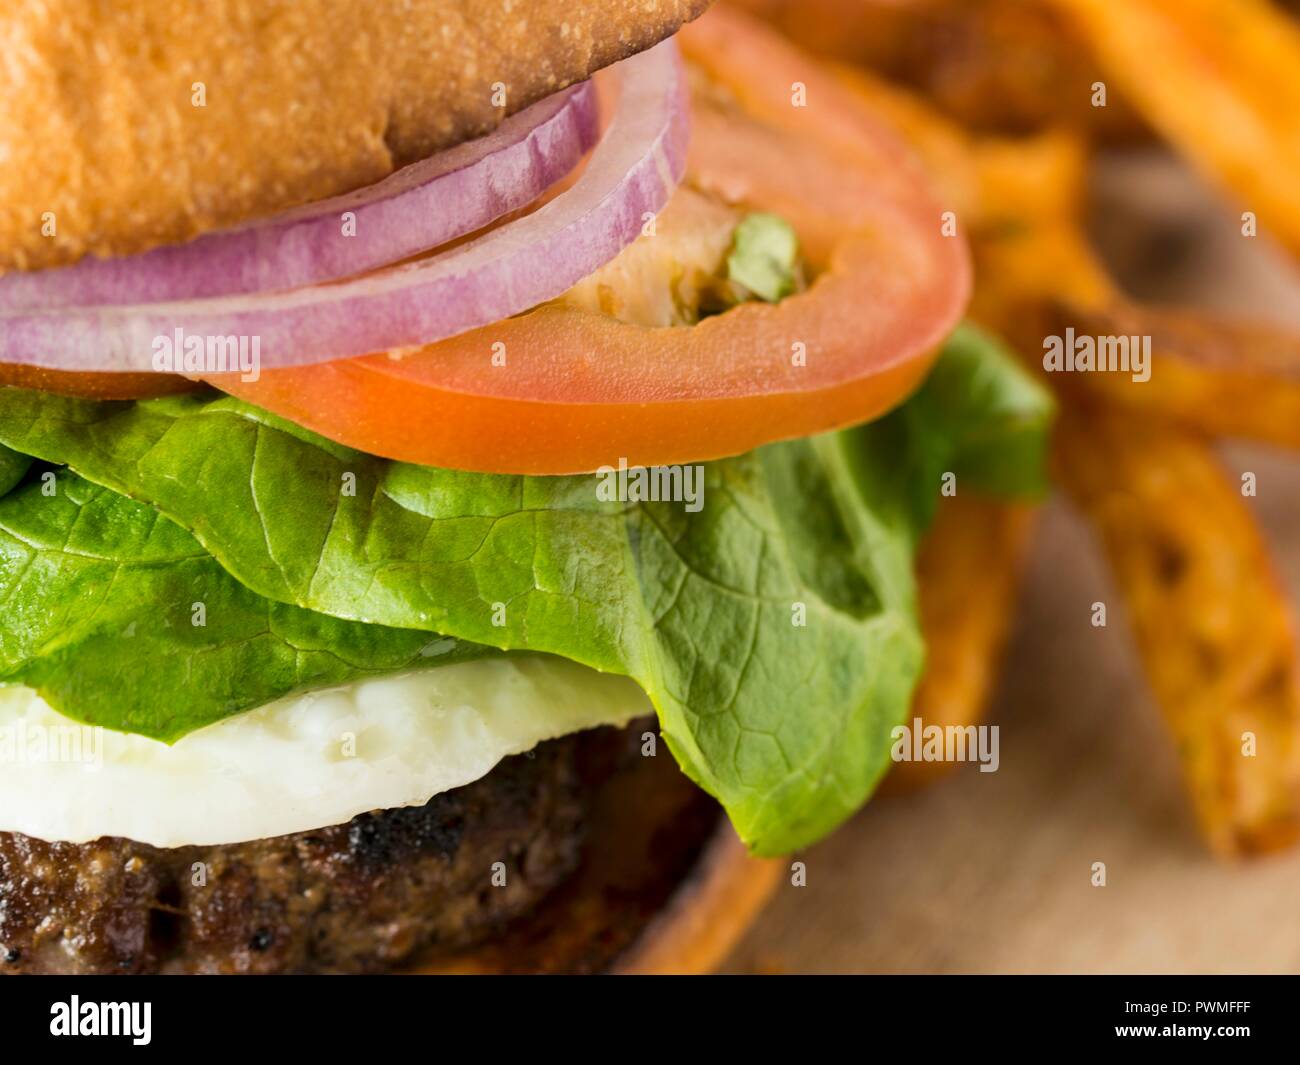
x=968 y=571
x=1220 y=376
x=1213 y=627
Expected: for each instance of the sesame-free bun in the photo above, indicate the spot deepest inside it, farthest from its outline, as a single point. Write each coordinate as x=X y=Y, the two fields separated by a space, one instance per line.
x=128 y=125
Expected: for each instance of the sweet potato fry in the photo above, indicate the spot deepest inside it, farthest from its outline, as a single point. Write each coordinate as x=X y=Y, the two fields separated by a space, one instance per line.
x=1029 y=248
x=944 y=148
x=1212 y=625
x=1018 y=200
x=1010 y=66
x=968 y=571
x=1222 y=377
x=1036 y=274
x=1211 y=621
x=1217 y=78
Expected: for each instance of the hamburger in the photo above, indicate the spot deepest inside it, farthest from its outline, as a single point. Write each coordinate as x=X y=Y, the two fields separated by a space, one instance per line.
x=461 y=473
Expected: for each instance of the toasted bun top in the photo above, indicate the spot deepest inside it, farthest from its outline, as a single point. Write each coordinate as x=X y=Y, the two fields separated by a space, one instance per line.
x=128 y=125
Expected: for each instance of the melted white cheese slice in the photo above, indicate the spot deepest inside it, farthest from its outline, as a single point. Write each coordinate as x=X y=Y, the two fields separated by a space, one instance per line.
x=303 y=762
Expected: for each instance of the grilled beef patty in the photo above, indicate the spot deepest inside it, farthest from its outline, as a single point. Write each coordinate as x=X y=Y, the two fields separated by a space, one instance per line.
x=355 y=897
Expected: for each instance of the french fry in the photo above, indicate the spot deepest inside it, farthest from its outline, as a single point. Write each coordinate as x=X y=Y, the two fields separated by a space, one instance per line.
x=1211 y=622
x=1011 y=66
x=1222 y=377
x=1217 y=78
x=1155 y=493
x=1018 y=200
x=968 y=572
x=1036 y=275
x=945 y=149
x=1028 y=246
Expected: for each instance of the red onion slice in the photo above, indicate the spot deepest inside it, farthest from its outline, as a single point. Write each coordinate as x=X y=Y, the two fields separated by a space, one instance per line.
x=417 y=208
x=629 y=176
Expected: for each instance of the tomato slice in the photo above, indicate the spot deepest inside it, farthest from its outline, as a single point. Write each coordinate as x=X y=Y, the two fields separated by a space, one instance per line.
x=94 y=385
x=571 y=390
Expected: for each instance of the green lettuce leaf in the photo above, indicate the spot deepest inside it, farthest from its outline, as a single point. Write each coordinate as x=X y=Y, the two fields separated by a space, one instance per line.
x=13 y=467
x=119 y=617
x=774 y=629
